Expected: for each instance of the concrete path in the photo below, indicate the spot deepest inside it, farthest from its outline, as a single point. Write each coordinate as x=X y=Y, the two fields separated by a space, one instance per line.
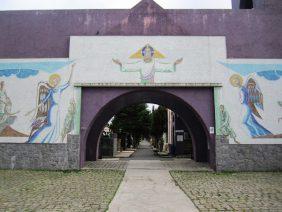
x=148 y=186
x=124 y=154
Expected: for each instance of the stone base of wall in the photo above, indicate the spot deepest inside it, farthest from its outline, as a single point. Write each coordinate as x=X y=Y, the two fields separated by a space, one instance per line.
x=247 y=157
x=229 y=157
x=62 y=156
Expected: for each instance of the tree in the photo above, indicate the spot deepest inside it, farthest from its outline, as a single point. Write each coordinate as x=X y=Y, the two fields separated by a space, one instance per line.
x=133 y=121
x=159 y=124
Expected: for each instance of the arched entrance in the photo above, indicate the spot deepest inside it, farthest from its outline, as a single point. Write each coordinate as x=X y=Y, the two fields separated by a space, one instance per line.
x=194 y=105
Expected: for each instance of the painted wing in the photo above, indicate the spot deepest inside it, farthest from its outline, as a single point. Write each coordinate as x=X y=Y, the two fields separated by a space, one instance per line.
x=43 y=91
x=254 y=110
x=255 y=101
x=42 y=111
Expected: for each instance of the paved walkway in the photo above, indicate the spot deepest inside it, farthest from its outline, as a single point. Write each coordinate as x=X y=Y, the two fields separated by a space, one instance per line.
x=174 y=164
x=124 y=154
x=148 y=186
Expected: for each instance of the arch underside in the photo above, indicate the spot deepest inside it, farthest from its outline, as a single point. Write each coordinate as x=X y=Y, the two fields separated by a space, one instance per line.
x=201 y=139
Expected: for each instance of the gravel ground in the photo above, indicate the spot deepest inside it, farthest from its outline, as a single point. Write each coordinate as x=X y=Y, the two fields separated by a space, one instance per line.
x=87 y=190
x=256 y=191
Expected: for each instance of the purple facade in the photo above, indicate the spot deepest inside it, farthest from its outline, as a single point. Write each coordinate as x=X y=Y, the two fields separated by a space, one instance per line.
x=255 y=33
x=194 y=105
x=259 y=4
x=45 y=34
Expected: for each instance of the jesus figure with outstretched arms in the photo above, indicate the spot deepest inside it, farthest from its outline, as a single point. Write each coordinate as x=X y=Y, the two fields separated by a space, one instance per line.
x=148 y=66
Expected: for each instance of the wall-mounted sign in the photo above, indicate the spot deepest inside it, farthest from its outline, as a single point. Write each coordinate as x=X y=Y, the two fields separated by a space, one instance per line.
x=179 y=138
x=211 y=130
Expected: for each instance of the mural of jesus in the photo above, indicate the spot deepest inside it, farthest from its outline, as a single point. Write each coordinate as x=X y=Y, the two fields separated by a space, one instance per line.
x=147 y=65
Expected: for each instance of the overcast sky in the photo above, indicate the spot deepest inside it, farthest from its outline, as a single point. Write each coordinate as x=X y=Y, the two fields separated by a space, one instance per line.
x=109 y=4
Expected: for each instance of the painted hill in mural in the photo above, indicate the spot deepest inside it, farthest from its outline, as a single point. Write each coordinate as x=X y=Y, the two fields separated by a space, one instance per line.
x=10 y=132
x=270 y=136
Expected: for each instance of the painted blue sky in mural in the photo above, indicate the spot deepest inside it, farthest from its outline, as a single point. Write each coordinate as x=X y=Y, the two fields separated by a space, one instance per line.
x=268 y=71
x=26 y=69
x=19 y=73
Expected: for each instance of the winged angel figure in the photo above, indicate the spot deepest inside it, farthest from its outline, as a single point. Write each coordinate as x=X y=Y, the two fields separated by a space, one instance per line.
x=45 y=127
x=251 y=98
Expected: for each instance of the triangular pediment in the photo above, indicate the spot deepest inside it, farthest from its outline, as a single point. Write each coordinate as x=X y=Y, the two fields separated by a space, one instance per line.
x=147 y=18
x=148 y=6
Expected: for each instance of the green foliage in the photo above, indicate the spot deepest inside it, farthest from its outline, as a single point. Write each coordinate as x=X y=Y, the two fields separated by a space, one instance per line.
x=134 y=120
x=159 y=122
x=137 y=121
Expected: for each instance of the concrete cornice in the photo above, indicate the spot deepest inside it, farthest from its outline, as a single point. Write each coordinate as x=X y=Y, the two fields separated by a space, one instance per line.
x=153 y=85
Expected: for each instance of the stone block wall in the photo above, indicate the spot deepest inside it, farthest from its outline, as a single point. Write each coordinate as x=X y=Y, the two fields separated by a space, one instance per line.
x=247 y=157
x=73 y=150
x=115 y=141
x=61 y=156
x=268 y=4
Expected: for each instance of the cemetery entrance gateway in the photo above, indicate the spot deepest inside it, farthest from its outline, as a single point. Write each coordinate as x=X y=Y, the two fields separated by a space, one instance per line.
x=195 y=105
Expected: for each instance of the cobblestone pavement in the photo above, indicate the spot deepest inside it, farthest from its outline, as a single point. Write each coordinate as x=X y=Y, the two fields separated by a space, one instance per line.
x=88 y=190
x=232 y=191
x=145 y=153
x=185 y=164
x=93 y=188
x=173 y=164
x=106 y=164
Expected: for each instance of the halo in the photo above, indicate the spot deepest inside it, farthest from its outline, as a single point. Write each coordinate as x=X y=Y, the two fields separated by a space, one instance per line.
x=236 y=80
x=53 y=76
x=140 y=53
x=145 y=48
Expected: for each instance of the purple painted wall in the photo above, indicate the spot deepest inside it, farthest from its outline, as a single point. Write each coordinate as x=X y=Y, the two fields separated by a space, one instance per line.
x=35 y=34
x=94 y=101
x=260 y=4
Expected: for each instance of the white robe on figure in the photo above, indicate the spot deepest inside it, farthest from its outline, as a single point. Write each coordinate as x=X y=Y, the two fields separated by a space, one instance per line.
x=147 y=70
x=50 y=132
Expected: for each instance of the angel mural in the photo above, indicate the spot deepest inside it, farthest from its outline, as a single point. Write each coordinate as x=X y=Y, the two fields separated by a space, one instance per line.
x=7 y=118
x=45 y=127
x=147 y=65
x=68 y=122
x=225 y=128
x=251 y=98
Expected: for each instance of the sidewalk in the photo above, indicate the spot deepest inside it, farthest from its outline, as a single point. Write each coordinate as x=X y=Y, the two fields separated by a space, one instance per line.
x=148 y=186
x=124 y=154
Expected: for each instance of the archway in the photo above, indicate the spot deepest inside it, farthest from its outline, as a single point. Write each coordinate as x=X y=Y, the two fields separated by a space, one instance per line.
x=194 y=105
